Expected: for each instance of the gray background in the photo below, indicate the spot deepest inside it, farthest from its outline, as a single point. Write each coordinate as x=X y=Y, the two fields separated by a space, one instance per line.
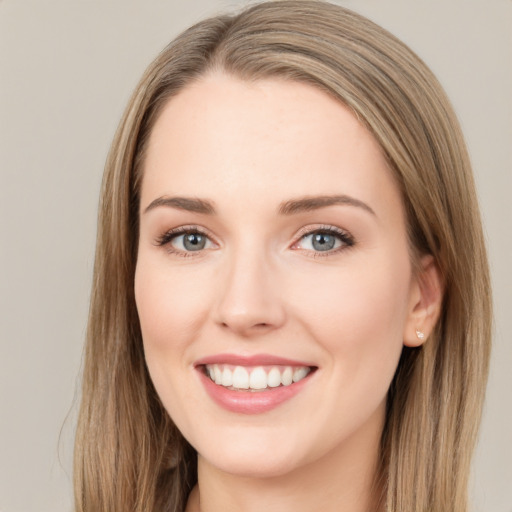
x=67 y=68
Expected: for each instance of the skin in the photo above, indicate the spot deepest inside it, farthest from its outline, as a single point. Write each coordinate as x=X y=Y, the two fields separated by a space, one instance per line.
x=259 y=286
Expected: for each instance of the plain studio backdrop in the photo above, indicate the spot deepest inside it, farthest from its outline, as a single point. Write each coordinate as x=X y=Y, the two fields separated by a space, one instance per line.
x=67 y=68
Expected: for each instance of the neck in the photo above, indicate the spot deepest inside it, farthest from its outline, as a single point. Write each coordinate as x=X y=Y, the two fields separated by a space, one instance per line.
x=343 y=480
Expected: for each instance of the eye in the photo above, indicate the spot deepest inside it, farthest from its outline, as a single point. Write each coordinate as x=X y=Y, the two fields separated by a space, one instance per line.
x=324 y=240
x=190 y=242
x=185 y=240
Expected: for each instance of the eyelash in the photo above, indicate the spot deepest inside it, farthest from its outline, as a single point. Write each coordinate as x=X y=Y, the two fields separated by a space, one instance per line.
x=166 y=238
x=346 y=239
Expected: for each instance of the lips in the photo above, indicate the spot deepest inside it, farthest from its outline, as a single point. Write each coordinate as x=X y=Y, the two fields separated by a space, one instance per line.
x=252 y=384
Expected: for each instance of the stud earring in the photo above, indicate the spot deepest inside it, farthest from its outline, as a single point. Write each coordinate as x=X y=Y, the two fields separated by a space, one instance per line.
x=420 y=334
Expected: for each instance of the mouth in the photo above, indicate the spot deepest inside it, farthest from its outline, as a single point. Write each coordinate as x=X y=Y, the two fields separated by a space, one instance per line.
x=255 y=378
x=252 y=384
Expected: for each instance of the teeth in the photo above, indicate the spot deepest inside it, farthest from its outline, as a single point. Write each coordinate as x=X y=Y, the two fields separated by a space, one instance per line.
x=299 y=374
x=240 y=378
x=287 y=376
x=227 y=377
x=217 y=374
x=274 y=378
x=258 y=378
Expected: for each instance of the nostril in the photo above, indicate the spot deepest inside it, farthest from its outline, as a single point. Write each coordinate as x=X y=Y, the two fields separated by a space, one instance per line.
x=261 y=325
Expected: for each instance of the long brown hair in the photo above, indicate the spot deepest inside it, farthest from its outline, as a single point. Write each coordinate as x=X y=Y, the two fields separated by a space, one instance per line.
x=128 y=454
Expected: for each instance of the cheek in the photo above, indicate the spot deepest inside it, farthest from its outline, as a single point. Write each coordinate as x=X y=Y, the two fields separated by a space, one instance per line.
x=357 y=318
x=170 y=306
x=358 y=313
x=170 y=316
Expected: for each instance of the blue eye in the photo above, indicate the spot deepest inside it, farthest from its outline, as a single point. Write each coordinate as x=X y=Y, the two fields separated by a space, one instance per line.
x=324 y=240
x=185 y=240
x=190 y=242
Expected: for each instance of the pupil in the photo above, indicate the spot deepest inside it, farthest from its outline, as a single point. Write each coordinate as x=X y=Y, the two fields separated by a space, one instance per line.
x=323 y=242
x=194 y=242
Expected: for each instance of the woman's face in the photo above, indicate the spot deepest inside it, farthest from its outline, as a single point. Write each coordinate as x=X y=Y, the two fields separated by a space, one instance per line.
x=273 y=259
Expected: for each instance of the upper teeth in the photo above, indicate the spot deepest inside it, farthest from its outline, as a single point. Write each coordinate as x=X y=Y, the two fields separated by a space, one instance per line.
x=259 y=377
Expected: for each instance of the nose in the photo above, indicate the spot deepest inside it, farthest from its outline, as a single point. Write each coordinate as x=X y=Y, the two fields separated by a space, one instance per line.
x=249 y=300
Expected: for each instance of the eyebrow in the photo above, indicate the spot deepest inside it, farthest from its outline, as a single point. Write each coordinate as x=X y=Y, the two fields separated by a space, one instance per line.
x=309 y=203
x=291 y=207
x=189 y=204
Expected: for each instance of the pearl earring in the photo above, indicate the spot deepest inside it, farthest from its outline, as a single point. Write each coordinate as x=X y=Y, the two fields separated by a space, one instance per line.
x=420 y=334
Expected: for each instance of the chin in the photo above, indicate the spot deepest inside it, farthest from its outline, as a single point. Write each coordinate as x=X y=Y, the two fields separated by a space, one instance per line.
x=247 y=466
x=274 y=449
x=251 y=453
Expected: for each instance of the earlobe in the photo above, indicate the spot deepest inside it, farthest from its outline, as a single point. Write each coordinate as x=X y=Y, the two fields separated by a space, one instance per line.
x=425 y=303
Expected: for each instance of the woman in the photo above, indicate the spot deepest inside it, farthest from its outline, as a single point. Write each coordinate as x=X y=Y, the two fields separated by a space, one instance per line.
x=291 y=303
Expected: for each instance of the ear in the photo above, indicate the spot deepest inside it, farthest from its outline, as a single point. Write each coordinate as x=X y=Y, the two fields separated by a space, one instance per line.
x=425 y=302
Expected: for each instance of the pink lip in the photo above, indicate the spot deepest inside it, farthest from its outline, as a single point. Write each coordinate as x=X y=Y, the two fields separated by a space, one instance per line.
x=253 y=360
x=250 y=402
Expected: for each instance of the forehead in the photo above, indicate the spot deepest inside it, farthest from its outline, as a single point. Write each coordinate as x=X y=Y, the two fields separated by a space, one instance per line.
x=270 y=138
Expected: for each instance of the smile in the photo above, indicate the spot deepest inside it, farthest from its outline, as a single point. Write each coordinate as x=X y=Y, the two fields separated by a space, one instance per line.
x=257 y=378
x=253 y=384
